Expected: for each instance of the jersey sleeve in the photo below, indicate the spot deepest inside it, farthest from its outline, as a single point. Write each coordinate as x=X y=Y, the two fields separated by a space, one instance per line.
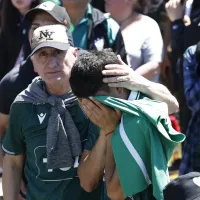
x=13 y=142
x=93 y=134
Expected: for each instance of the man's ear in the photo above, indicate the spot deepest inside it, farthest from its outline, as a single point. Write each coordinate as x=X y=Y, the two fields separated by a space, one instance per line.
x=120 y=90
x=75 y=52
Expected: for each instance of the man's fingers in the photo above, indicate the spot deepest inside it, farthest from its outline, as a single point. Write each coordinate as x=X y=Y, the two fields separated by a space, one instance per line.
x=119 y=113
x=90 y=108
x=99 y=104
x=90 y=115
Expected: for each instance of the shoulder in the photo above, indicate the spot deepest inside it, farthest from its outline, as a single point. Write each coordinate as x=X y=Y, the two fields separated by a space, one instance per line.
x=149 y=23
x=13 y=77
x=146 y=19
x=189 y=55
x=20 y=111
x=190 y=50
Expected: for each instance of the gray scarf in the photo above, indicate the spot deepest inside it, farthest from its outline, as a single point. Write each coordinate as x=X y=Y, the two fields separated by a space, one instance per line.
x=63 y=138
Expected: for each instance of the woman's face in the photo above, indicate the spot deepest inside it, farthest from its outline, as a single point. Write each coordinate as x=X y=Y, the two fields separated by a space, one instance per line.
x=22 y=5
x=117 y=8
x=114 y=7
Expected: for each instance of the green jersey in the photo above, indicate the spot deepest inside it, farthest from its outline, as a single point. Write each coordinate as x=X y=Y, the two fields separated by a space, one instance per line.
x=142 y=144
x=26 y=134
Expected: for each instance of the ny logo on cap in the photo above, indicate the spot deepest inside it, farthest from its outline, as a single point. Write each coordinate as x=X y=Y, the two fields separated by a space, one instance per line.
x=46 y=34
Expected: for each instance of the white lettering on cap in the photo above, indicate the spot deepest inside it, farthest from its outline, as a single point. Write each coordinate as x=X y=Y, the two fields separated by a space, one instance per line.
x=48 y=6
x=196 y=181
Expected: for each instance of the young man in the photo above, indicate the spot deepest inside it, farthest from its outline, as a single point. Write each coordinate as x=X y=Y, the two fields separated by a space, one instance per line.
x=143 y=135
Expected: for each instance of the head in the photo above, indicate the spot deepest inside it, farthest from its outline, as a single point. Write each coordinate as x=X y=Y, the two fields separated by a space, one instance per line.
x=52 y=54
x=125 y=8
x=86 y=76
x=76 y=9
x=12 y=10
x=75 y=3
x=186 y=187
x=23 y=5
x=47 y=13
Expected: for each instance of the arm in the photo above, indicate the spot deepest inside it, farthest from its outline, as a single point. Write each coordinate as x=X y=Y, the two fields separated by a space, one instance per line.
x=175 y=10
x=3 y=127
x=92 y=163
x=127 y=78
x=91 y=167
x=3 y=123
x=191 y=80
x=13 y=167
x=152 y=52
x=149 y=70
x=114 y=189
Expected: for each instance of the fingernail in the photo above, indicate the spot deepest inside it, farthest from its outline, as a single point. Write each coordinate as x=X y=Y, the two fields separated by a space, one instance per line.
x=104 y=72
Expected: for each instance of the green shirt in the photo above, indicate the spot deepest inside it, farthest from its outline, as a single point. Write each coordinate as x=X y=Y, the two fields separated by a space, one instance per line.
x=26 y=134
x=142 y=145
x=80 y=31
x=57 y=2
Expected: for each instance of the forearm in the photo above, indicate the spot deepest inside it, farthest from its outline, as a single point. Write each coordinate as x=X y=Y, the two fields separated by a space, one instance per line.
x=11 y=180
x=148 y=70
x=160 y=93
x=110 y=162
x=114 y=189
x=3 y=123
x=91 y=169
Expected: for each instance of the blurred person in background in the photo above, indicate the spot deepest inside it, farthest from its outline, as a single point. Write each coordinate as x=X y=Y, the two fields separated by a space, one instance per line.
x=142 y=36
x=94 y=30
x=99 y=4
x=185 y=32
x=13 y=38
x=191 y=73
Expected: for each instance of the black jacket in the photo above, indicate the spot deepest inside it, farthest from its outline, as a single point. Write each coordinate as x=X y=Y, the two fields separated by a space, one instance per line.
x=10 y=47
x=98 y=29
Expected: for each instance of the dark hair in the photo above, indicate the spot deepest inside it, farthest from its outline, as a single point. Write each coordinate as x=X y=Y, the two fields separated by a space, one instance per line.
x=11 y=17
x=143 y=6
x=86 y=75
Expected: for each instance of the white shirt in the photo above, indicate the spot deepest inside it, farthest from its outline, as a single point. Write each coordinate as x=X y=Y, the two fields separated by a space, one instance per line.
x=143 y=43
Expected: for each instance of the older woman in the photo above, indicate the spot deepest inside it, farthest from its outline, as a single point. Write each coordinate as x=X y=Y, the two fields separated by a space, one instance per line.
x=142 y=37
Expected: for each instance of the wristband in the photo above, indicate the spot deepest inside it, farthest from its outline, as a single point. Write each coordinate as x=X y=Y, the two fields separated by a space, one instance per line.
x=109 y=133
